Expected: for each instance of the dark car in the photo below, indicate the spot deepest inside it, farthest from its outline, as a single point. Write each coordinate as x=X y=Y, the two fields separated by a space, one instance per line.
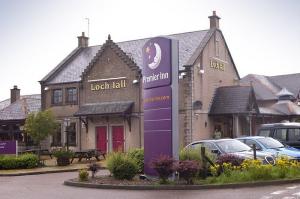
x=286 y=133
x=232 y=146
x=271 y=145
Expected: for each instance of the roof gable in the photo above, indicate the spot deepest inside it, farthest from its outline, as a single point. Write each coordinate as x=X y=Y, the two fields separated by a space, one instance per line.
x=113 y=46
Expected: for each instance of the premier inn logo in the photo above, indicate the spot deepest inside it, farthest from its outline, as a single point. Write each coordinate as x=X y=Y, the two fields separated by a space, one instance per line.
x=108 y=84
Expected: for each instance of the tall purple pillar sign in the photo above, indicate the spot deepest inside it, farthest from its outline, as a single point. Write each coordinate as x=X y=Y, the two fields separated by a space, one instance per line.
x=160 y=82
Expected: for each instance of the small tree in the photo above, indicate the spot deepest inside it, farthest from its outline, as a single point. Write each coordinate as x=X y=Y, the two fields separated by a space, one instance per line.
x=40 y=125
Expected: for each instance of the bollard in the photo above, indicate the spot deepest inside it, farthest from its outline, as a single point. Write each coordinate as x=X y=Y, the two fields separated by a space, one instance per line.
x=254 y=151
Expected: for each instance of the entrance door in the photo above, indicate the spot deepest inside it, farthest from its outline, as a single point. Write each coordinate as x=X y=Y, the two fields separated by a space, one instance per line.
x=118 y=138
x=101 y=138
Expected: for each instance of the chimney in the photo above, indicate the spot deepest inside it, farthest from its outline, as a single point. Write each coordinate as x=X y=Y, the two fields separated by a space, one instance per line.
x=14 y=94
x=214 y=21
x=83 y=41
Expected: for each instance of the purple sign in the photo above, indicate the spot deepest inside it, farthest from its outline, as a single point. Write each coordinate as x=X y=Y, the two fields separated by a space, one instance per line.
x=8 y=147
x=160 y=82
x=157 y=124
x=157 y=63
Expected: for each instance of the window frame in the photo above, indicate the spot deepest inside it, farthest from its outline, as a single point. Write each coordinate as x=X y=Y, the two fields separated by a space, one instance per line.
x=60 y=102
x=67 y=99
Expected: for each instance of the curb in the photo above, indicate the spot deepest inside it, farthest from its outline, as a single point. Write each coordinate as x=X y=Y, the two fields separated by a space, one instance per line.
x=180 y=187
x=38 y=172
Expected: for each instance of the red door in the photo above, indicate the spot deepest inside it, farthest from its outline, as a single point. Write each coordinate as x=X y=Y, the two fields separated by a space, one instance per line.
x=101 y=139
x=118 y=138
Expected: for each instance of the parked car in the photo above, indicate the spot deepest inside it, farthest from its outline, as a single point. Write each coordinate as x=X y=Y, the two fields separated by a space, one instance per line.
x=271 y=145
x=286 y=133
x=232 y=146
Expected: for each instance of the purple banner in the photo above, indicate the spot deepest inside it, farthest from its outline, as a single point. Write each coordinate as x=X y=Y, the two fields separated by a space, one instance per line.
x=157 y=63
x=8 y=147
x=157 y=124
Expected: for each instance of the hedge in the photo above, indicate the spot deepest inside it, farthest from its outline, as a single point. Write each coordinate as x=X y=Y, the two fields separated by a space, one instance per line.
x=25 y=161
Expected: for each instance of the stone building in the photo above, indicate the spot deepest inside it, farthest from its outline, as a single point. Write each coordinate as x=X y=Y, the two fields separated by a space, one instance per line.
x=96 y=91
x=13 y=113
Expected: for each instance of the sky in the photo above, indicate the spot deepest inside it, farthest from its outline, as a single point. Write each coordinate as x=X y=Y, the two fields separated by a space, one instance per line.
x=263 y=36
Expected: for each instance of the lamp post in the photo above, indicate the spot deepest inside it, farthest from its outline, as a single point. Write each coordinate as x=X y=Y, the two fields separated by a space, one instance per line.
x=66 y=124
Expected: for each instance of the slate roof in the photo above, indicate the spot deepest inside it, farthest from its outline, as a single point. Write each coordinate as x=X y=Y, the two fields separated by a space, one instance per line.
x=104 y=108
x=286 y=107
x=267 y=87
x=6 y=102
x=291 y=82
x=71 y=68
x=21 y=108
x=232 y=99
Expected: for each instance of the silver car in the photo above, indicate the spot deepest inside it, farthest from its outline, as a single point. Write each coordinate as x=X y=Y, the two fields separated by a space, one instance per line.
x=232 y=146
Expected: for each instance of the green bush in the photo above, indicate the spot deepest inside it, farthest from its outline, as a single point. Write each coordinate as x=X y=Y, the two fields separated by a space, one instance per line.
x=190 y=154
x=63 y=153
x=25 y=161
x=28 y=161
x=83 y=175
x=138 y=155
x=63 y=156
x=121 y=166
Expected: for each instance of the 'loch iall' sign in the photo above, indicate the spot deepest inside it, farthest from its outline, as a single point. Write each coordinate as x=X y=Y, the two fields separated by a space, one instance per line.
x=160 y=82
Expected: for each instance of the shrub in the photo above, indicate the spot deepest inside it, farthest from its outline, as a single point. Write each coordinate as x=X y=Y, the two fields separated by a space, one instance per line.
x=83 y=175
x=63 y=153
x=24 y=161
x=28 y=161
x=234 y=160
x=94 y=169
x=63 y=156
x=164 y=167
x=190 y=154
x=187 y=170
x=121 y=166
x=138 y=155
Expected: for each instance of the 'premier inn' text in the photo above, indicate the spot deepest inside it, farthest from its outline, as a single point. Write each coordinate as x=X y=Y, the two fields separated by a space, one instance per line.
x=108 y=85
x=155 y=77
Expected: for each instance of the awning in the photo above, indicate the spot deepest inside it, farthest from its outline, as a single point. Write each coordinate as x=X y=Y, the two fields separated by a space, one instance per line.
x=105 y=108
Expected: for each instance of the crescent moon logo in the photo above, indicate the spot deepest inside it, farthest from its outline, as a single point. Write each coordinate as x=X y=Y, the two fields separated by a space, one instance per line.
x=157 y=58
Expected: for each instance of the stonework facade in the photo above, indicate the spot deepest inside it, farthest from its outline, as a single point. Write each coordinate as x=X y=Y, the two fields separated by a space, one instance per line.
x=112 y=79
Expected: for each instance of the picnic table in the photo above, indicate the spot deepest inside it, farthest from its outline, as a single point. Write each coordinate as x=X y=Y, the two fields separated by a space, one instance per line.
x=88 y=154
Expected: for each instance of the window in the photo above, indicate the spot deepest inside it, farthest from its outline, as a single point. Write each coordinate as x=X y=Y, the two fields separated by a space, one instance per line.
x=217 y=46
x=294 y=134
x=56 y=137
x=71 y=133
x=57 y=96
x=251 y=142
x=280 y=134
x=71 y=95
x=264 y=132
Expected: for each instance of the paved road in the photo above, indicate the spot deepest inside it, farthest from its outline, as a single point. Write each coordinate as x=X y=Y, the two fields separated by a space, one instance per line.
x=49 y=186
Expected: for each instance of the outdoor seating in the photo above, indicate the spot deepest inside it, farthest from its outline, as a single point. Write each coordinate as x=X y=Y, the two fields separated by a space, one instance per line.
x=88 y=154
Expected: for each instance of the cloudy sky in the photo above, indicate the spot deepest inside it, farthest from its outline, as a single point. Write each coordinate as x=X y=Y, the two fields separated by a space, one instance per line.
x=35 y=35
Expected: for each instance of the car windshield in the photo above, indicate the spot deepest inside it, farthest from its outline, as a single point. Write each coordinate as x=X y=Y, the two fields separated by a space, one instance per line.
x=232 y=146
x=270 y=143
